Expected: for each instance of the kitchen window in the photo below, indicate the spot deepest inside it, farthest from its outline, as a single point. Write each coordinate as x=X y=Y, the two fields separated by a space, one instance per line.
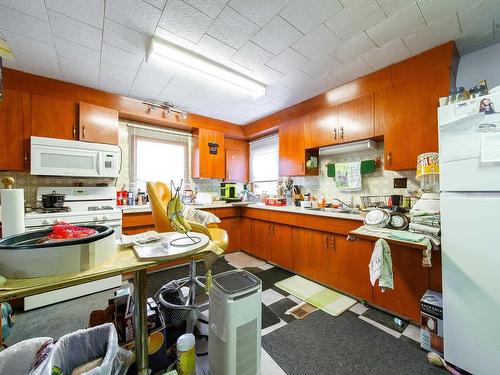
x=158 y=155
x=264 y=164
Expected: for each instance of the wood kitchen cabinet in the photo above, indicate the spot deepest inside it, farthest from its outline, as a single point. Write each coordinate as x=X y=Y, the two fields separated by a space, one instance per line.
x=233 y=229
x=54 y=117
x=281 y=251
x=311 y=256
x=14 y=130
x=292 y=153
x=237 y=156
x=98 y=124
x=407 y=116
x=321 y=128
x=208 y=154
x=356 y=119
x=260 y=240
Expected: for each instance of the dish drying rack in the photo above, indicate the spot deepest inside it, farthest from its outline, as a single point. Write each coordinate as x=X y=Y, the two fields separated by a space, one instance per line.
x=370 y=201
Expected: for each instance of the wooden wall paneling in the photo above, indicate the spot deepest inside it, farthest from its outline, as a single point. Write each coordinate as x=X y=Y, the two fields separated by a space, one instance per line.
x=411 y=280
x=98 y=124
x=15 y=120
x=54 y=117
x=237 y=160
x=356 y=119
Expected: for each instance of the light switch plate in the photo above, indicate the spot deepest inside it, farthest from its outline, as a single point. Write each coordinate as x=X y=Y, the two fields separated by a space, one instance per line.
x=400 y=183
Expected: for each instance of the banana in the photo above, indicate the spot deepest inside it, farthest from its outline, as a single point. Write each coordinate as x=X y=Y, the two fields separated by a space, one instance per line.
x=179 y=210
x=175 y=220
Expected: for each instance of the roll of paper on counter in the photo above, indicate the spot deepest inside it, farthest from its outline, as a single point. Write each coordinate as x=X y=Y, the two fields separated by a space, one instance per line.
x=186 y=357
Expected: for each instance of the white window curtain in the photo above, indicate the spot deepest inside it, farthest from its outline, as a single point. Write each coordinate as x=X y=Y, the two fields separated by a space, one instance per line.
x=159 y=154
x=264 y=164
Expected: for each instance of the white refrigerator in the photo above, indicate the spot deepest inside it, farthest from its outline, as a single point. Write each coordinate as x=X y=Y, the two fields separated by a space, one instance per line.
x=469 y=148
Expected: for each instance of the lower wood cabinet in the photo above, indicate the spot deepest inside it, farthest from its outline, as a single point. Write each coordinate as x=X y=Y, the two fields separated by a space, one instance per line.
x=233 y=229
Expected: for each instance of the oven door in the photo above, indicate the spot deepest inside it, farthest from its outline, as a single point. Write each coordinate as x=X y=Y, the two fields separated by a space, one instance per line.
x=63 y=161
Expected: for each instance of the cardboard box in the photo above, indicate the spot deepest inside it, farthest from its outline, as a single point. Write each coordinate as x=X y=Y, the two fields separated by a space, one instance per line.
x=431 y=322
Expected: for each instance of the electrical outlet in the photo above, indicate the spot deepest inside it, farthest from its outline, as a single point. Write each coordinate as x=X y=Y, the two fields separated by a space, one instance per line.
x=400 y=183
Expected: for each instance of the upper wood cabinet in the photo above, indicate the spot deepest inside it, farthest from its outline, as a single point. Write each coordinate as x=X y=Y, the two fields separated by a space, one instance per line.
x=356 y=119
x=98 y=124
x=14 y=130
x=407 y=116
x=237 y=154
x=321 y=128
x=291 y=148
x=208 y=154
x=54 y=117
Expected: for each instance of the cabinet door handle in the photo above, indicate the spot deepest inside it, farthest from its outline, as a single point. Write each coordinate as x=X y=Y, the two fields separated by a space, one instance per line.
x=342 y=132
x=74 y=131
x=273 y=229
x=25 y=158
x=268 y=229
x=388 y=158
x=83 y=132
x=333 y=243
x=335 y=134
x=302 y=166
x=326 y=243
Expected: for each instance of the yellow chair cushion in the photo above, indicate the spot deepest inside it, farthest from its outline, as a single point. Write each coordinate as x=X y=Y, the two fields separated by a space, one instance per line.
x=220 y=237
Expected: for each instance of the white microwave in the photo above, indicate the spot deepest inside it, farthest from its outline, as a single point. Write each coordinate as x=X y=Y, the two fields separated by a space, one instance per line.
x=59 y=157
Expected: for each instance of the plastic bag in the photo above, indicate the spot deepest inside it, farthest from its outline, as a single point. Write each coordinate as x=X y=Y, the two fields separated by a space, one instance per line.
x=18 y=358
x=82 y=346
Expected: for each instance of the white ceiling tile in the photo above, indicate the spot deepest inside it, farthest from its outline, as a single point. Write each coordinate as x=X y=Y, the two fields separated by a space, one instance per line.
x=201 y=97
x=467 y=44
x=174 y=38
x=25 y=25
x=267 y=75
x=46 y=67
x=23 y=45
x=353 y=48
x=35 y=8
x=187 y=80
x=433 y=10
x=296 y=80
x=125 y=38
x=77 y=52
x=261 y=100
x=184 y=20
x=175 y=94
x=277 y=35
x=287 y=61
x=317 y=42
x=258 y=11
x=251 y=56
x=114 y=85
x=436 y=33
x=155 y=73
x=160 y=4
x=232 y=28
x=476 y=19
x=214 y=49
x=277 y=90
x=350 y=72
x=145 y=90
x=11 y=63
x=324 y=83
x=307 y=15
x=75 y=31
x=211 y=8
x=87 y=11
x=392 y=6
x=320 y=66
x=116 y=73
x=397 y=26
x=355 y=18
x=135 y=14
x=121 y=58
x=387 y=55
x=77 y=72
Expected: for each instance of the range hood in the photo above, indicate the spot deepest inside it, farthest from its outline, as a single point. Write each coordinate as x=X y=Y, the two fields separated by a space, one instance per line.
x=348 y=147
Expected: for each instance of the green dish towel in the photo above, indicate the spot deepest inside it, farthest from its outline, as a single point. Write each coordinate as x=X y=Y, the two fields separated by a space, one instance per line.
x=381 y=265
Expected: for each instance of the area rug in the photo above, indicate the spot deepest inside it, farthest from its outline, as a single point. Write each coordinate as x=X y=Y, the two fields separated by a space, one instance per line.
x=242 y=260
x=317 y=295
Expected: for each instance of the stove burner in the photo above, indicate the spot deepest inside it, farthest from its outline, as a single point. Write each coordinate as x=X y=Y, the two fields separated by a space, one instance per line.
x=100 y=208
x=43 y=210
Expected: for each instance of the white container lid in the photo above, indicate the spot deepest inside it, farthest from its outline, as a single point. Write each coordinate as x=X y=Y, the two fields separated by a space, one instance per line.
x=185 y=342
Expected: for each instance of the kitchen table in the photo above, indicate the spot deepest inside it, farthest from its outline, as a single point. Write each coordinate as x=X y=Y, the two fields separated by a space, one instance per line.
x=123 y=262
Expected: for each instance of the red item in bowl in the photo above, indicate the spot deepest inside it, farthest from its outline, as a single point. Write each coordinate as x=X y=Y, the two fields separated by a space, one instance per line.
x=65 y=231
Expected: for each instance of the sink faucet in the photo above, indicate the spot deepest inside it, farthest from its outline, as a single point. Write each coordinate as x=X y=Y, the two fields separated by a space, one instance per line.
x=343 y=203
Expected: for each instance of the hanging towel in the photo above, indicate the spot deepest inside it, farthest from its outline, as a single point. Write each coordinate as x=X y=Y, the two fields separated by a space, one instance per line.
x=381 y=265
x=422 y=228
x=348 y=176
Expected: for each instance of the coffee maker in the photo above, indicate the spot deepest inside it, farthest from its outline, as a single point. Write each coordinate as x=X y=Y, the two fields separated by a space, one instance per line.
x=228 y=192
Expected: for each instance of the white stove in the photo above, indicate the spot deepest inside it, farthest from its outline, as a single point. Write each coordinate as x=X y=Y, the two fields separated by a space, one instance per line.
x=82 y=205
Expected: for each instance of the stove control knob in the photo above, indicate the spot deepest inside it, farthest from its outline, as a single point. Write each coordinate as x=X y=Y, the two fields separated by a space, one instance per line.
x=58 y=220
x=45 y=221
x=96 y=218
x=104 y=217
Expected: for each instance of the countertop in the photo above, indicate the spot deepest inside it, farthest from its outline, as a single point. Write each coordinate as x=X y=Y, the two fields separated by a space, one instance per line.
x=262 y=206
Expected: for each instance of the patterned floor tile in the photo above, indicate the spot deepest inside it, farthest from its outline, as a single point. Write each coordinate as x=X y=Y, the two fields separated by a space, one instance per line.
x=413 y=332
x=270 y=296
x=359 y=308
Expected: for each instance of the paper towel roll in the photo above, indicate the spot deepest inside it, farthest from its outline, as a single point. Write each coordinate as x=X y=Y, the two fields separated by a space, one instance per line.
x=12 y=211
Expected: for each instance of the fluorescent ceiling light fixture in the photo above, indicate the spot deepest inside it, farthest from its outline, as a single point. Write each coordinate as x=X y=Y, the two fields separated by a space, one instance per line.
x=188 y=60
x=348 y=147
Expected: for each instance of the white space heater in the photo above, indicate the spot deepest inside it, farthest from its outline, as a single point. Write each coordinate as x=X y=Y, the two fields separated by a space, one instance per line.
x=235 y=316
